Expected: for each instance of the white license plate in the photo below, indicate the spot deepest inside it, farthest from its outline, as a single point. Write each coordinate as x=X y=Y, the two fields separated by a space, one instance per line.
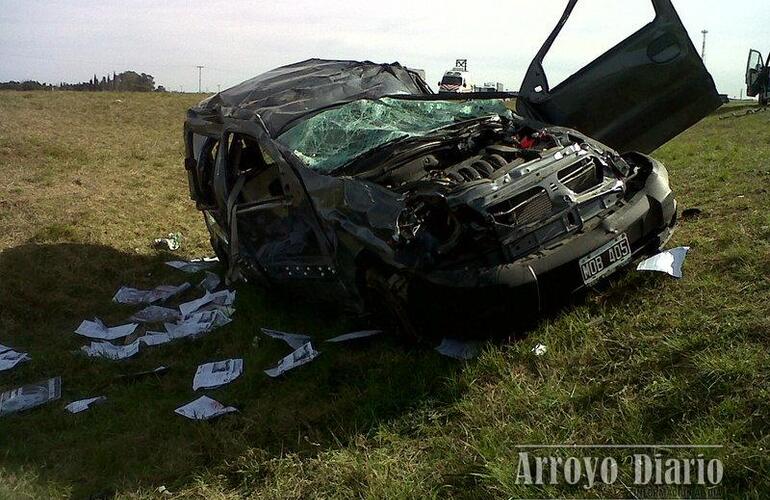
x=605 y=260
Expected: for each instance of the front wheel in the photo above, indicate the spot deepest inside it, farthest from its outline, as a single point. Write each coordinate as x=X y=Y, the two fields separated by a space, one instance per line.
x=386 y=297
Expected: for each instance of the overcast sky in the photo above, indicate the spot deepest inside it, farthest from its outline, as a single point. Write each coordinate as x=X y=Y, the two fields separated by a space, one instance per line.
x=57 y=40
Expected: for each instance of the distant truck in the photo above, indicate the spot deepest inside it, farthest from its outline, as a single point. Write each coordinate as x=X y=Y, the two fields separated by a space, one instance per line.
x=491 y=87
x=457 y=79
x=758 y=77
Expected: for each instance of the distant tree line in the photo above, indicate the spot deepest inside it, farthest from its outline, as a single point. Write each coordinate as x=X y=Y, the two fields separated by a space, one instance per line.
x=127 y=81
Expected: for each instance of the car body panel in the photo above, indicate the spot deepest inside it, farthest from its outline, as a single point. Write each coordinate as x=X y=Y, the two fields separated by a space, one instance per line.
x=637 y=96
x=284 y=95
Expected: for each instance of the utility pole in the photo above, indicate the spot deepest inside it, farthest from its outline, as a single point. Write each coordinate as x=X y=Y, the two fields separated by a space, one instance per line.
x=200 y=69
x=703 y=51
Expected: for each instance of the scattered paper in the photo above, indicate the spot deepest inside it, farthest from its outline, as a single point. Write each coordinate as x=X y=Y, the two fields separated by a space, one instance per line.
x=10 y=358
x=135 y=297
x=162 y=490
x=355 y=335
x=301 y=356
x=294 y=340
x=111 y=351
x=540 y=350
x=155 y=338
x=96 y=329
x=199 y=323
x=210 y=282
x=172 y=242
x=30 y=396
x=195 y=265
x=669 y=262
x=221 y=298
x=84 y=404
x=217 y=374
x=458 y=349
x=156 y=314
x=204 y=408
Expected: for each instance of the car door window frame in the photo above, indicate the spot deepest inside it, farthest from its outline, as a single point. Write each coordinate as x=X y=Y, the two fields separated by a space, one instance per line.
x=535 y=85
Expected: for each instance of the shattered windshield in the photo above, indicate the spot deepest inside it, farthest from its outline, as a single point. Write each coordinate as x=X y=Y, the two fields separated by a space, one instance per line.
x=332 y=138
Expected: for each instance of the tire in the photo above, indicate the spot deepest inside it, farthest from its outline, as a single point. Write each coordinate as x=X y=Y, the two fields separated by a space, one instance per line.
x=385 y=299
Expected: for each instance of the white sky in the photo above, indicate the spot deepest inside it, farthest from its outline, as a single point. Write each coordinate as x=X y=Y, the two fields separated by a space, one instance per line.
x=58 y=40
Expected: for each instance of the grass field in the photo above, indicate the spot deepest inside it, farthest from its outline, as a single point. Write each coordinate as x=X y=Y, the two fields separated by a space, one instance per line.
x=90 y=179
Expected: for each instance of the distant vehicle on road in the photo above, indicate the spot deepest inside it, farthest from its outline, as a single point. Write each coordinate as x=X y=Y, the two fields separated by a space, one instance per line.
x=758 y=77
x=491 y=87
x=457 y=79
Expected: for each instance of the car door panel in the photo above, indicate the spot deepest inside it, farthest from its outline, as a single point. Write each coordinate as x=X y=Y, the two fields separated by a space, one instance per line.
x=755 y=68
x=268 y=215
x=635 y=97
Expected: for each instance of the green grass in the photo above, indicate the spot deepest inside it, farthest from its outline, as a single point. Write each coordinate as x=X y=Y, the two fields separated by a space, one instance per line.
x=89 y=182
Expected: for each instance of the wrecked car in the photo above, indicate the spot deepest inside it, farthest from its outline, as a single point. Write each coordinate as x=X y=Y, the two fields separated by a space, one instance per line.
x=352 y=182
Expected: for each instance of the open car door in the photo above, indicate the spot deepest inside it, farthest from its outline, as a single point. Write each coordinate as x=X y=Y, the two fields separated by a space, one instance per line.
x=757 y=79
x=637 y=96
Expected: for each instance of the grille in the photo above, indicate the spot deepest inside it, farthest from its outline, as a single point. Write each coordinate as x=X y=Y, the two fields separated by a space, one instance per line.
x=530 y=206
x=583 y=176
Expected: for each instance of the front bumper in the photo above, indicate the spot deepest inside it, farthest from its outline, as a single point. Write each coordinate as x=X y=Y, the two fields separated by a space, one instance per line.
x=531 y=284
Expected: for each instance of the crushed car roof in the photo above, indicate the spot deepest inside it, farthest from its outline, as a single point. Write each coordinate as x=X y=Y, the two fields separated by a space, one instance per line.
x=282 y=96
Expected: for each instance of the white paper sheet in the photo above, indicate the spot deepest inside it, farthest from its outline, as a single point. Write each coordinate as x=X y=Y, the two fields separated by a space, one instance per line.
x=221 y=298
x=172 y=242
x=4 y=348
x=669 y=262
x=135 y=297
x=295 y=340
x=111 y=351
x=195 y=265
x=540 y=350
x=217 y=374
x=210 y=282
x=84 y=404
x=458 y=349
x=155 y=338
x=189 y=327
x=9 y=359
x=355 y=335
x=156 y=314
x=96 y=329
x=199 y=323
x=30 y=396
x=204 y=408
x=301 y=356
